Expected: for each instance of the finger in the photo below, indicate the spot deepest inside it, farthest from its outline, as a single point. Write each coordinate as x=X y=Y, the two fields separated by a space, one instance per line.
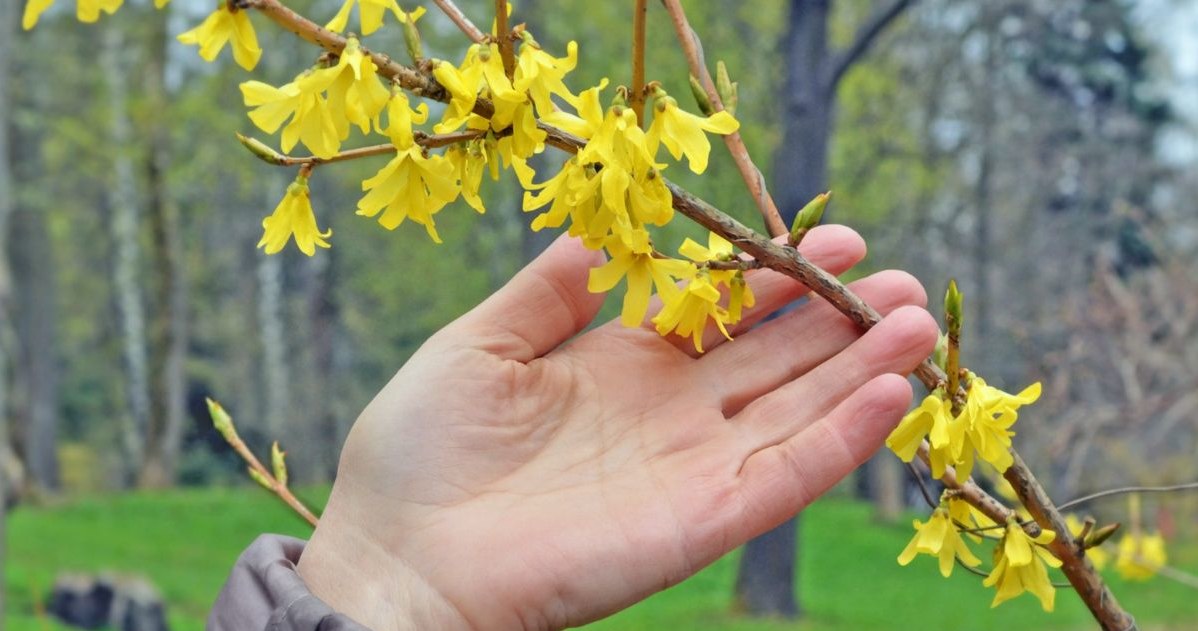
x=780 y=350
x=834 y=248
x=544 y=305
x=896 y=344
x=779 y=480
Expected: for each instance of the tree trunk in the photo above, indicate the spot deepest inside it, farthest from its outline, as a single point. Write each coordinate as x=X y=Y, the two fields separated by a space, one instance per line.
x=765 y=584
x=801 y=170
x=886 y=486
x=168 y=405
x=271 y=330
x=8 y=33
x=765 y=581
x=35 y=315
x=123 y=220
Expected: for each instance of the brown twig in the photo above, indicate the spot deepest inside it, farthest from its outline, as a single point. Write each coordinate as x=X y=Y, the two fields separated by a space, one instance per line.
x=503 y=36
x=428 y=141
x=224 y=424
x=1188 y=486
x=692 y=48
x=636 y=100
x=455 y=14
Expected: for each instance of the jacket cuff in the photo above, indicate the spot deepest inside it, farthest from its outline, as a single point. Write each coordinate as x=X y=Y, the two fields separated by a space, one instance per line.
x=265 y=592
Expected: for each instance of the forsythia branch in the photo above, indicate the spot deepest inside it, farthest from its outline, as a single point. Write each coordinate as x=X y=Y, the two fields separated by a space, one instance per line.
x=463 y=23
x=692 y=48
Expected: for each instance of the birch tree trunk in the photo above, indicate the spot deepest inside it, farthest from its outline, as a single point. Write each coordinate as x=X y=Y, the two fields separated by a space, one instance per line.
x=123 y=222
x=271 y=327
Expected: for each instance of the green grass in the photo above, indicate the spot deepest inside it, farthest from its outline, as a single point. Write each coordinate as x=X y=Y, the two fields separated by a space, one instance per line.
x=185 y=541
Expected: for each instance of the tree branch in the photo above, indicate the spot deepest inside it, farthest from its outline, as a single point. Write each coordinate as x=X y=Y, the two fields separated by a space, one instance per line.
x=692 y=48
x=455 y=14
x=866 y=35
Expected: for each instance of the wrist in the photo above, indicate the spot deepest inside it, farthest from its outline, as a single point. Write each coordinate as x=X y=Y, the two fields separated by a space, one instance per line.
x=358 y=576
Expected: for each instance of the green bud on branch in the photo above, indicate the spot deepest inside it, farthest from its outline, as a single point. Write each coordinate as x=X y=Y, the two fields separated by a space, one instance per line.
x=411 y=37
x=261 y=479
x=808 y=217
x=1096 y=538
x=278 y=463
x=262 y=151
x=701 y=96
x=221 y=420
x=952 y=306
x=726 y=88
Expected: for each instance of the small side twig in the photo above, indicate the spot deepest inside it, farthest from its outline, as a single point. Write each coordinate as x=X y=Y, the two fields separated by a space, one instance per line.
x=1188 y=486
x=428 y=141
x=503 y=36
x=692 y=48
x=463 y=23
x=636 y=100
x=224 y=424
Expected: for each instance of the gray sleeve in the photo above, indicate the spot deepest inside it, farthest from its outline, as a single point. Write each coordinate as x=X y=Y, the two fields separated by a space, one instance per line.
x=265 y=593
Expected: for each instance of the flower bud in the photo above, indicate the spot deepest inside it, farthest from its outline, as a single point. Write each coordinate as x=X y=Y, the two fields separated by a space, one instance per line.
x=278 y=463
x=261 y=150
x=726 y=88
x=1099 y=535
x=221 y=420
x=701 y=96
x=952 y=304
x=808 y=217
x=261 y=479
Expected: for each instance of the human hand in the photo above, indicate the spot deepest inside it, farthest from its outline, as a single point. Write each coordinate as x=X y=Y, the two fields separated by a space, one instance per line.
x=514 y=476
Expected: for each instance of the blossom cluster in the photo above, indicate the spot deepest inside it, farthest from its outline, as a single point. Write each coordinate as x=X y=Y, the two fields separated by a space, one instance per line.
x=609 y=194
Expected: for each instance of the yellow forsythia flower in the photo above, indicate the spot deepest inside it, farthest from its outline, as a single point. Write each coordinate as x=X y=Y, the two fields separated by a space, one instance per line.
x=85 y=10
x=940 y=538
x=312 y=121
x=572 y=193
x=356 y=95
x=370 y=12
x=1097 y=555
x=687 y=313
x=965 y=513
x=740 y=295
x=946 y=436
x=1140 y=557
x=1020 y=565
x=293 y=217
x=644 y=272
x=541 y=75
x=682 y=132
x=222 y=26
x=470 y=161
x=412 y=185
x=482 y=70
x=983 y=426
x=991 y=413
x=462 y=83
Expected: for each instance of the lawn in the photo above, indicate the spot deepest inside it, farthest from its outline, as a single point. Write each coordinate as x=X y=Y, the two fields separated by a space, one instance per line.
x=185 y=541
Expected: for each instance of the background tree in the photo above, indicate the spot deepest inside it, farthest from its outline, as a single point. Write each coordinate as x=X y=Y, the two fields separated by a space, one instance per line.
x=814 y=69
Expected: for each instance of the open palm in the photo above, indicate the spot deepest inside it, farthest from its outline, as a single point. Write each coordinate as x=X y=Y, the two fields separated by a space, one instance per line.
x=514 y=476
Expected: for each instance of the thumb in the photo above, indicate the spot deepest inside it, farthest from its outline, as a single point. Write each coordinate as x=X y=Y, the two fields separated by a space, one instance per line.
x=544 y=305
